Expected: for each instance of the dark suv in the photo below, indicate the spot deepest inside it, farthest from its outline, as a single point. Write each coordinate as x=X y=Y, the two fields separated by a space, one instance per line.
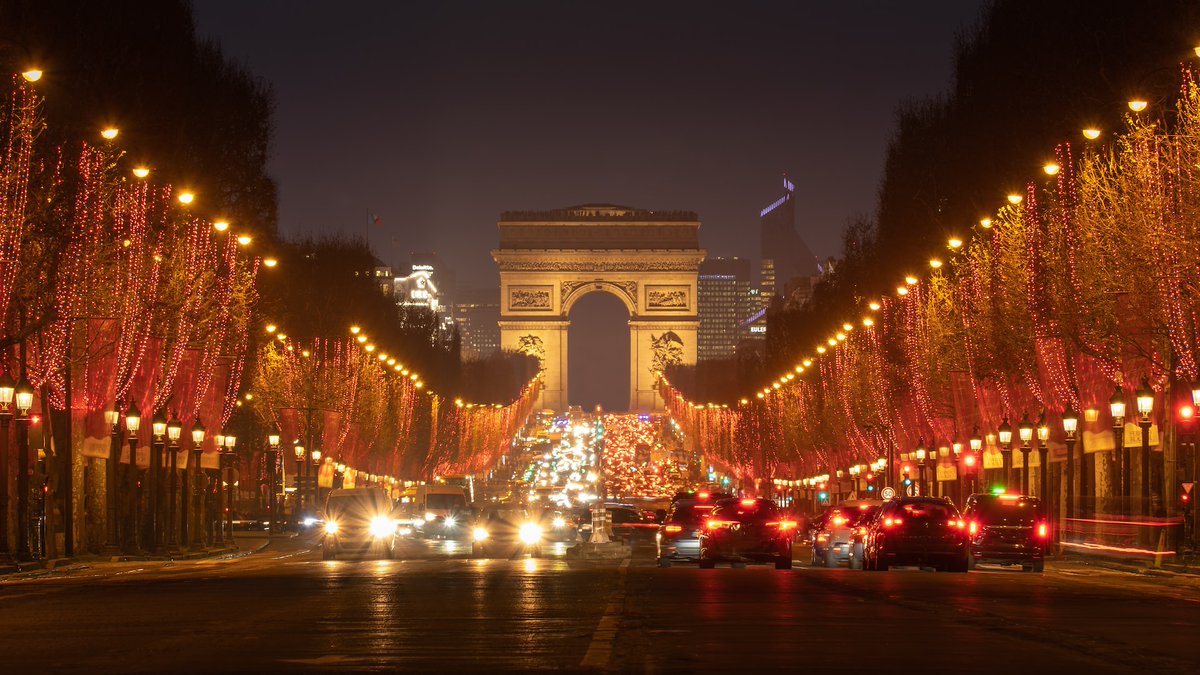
x=925 y=531
x=1006 y=529
x=747 y=530
x=678 y=538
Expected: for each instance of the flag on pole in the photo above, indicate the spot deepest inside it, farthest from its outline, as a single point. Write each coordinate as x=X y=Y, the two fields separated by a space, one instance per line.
x=376 y=220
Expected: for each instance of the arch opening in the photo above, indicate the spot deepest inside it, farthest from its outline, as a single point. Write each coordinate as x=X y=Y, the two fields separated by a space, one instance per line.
x=598 y=352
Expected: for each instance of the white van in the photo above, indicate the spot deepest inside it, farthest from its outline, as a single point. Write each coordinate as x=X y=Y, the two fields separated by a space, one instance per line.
x=436 y=511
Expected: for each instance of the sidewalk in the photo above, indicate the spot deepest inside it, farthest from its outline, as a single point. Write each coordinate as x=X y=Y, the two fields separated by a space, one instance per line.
x=245 y=543
x=1189 y=568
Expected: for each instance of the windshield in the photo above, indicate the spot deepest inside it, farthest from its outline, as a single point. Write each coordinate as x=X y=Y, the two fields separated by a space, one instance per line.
x=365 y=504
x=929 y=510
x=1020 y=511
x=445 y=502
x=747 y=513
x=689 y=514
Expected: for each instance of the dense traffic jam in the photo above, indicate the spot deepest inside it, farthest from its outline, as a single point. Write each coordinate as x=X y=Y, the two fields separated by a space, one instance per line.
x=547 y=492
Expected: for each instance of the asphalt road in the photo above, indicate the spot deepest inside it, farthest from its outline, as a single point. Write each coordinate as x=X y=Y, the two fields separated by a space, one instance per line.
x=283 y=609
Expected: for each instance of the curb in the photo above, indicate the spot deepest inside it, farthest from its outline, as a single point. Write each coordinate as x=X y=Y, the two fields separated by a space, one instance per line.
x=83 y=562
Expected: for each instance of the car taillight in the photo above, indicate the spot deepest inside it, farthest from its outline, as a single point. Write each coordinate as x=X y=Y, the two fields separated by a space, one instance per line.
x=1042 y=531
x=717 y=524
x=974 y=527
x=673 y=528
x=838 y=520
x=892 y=522
x=783 y=524
x=861 y=531
x=960 y=524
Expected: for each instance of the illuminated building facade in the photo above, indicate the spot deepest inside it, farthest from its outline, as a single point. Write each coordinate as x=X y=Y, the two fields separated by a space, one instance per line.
x=724 y=302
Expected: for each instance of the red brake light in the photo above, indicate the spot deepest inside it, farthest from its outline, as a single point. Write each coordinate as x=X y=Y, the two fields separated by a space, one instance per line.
x=748 y=502
x=783 y=524
x=838 y=520
x=1042 y=530
x=891 y=522
x=974 y=527
x=717 y=524
x=702 y=495
x=673 y=528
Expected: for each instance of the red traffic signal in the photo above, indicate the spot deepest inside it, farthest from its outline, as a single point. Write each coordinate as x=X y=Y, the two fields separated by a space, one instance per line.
x=1187 y=413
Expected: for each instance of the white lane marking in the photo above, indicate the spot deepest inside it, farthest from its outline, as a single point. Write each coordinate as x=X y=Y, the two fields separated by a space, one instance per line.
x=600 y=649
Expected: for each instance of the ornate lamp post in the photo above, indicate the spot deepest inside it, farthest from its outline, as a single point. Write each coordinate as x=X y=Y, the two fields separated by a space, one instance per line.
x=272 y=470
x=1005 y=436
x=1116 y=406
x=8 y=389
x=316 y=471
x=1145 y=405
x=197 y=527
x=112 y=543
x=23 y=396
x=1025 y=430
x=174 y=431
x=931 y=461
x=921 y=453
x=158 y=432
x=133 y=423
x=299 y=506
x=974 y=461
x=1070 y=422
x=1043 y=434
x=956 y=449
x=228 y=488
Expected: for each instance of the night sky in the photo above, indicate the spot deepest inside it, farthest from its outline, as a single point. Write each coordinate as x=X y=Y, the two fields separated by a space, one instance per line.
x=437 y=116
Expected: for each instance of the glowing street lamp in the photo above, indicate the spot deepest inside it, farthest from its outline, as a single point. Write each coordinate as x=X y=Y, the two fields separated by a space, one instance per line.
x=32 y=75
x=1070 y=422
x=1005 y=435
x=1145 y=405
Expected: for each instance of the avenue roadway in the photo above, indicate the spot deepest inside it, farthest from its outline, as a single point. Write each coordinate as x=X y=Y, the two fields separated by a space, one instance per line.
x=283 y=609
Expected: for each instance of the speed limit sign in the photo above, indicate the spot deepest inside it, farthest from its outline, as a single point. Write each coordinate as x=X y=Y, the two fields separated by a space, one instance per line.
x=888 y=492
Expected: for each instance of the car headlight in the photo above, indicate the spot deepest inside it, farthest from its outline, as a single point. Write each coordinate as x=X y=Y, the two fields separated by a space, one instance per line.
x=309 y=521
x=480 y=534
x=450 y=521
x=531 y=533
x=429 y=516
x=382 y=527
x=331 y=527
x=560 y=523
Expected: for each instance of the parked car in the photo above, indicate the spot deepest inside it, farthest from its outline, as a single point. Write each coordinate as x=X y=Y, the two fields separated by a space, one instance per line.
x=739 y=531
x=924 y=531
x=1006 y=529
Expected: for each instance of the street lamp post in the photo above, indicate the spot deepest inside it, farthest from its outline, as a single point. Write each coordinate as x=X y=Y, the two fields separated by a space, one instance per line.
x=174 y=430
x=316 y=477
x=24 y=400
x=158 y=431
x=1043 y=434
x=1145 y=405
x=228 y=487
x=112 y=543
x=272 y=470
x=8 y=389
x=196 y=529
x=1025 y=430
x=921 y=453
x=1116 y=406
x=299 y=505
x=976 y=456
x=956 y=448
x=1070 y=422
x=1005 y=436
x=133 y=422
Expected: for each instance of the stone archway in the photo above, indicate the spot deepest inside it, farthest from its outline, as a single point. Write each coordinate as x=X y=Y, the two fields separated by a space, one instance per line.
x=648 y=259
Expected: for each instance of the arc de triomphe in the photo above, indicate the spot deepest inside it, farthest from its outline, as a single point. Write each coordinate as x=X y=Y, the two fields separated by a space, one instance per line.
x=649 y=260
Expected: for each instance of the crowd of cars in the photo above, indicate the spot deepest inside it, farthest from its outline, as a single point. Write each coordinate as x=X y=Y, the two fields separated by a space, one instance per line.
x=1000 y=529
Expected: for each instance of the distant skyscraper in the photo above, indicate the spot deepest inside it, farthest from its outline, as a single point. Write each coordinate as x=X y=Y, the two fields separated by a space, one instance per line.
x=724 y=301
x=789 y=256
x=477 y=316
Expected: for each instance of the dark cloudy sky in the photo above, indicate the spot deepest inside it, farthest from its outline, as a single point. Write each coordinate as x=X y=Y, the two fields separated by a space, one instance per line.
x=439 y=115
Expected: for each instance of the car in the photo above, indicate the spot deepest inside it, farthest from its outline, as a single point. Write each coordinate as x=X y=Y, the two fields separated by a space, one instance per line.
x=831 y=544
x=1006 y=529
x=359 y=521
x=858 y=535
x=628 y=524
x=252 y=522
x=506 y=531
x=739 y=531
x=924 y=531
x=678 y=538
x=559 y=526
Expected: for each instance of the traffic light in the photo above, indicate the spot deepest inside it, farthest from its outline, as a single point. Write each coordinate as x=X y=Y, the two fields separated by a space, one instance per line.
x=1187 y=414
x=870 y=482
